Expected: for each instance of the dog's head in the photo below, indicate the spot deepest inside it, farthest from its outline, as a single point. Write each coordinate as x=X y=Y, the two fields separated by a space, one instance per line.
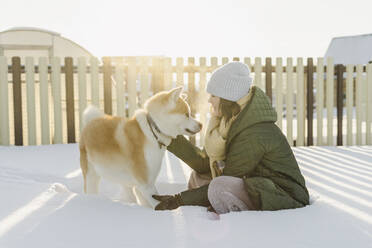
x=171 y=113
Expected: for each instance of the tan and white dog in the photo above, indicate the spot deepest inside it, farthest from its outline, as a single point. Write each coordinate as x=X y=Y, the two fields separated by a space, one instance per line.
x=130 y=152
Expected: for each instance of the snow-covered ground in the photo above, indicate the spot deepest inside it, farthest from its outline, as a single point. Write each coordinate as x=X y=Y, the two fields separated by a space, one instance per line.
x=42 y=205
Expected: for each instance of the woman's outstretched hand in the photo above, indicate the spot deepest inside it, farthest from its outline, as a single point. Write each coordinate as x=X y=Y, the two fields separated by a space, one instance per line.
x=168 y=202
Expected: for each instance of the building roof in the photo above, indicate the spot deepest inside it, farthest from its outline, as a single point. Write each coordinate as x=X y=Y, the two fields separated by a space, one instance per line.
x=41 y=30
x=356 y=49
x=31 y=29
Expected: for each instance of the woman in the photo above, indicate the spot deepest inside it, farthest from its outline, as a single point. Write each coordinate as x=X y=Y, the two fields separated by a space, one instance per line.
x=257 y=168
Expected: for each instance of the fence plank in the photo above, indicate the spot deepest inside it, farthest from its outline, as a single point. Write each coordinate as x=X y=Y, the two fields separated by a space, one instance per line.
x=31 y=115
x=17 y=100
x=340 y=101
x=247 y=61
x=94 y=81
x=310 y=100
x=257 y=73
x=179 y=72
x=300 y=103
x=168 y=84
x=359 y=92
x=57 y=105
x=70 y=105
x=279 y=91
x=225 y=60
x=44 y=101
x=144 y=78
x=369 y=104
x=214 y=63
x=82 y=78
x=4 y=102
x=349 y=104
x=202 y=99
x=268 y=78
x=120 y=96
x=132 y=87
x=330 y=100
x=289 y=101
x=107 y=85
x=319 y=100
x=191 y=91
x=157 y=75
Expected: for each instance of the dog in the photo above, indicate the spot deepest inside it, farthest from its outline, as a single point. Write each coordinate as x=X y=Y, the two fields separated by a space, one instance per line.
x=129 y=152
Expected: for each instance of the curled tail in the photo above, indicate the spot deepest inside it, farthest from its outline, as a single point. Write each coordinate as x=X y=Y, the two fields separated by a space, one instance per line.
x=91 y=113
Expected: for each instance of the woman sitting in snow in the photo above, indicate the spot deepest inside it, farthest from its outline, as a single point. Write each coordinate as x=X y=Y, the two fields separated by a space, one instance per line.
x=253 y=162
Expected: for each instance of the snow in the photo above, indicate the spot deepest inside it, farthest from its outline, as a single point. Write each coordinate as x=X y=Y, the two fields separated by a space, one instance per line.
x=42 y=205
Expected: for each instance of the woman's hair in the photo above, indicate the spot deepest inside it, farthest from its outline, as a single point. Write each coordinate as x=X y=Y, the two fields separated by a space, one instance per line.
x=228 y=109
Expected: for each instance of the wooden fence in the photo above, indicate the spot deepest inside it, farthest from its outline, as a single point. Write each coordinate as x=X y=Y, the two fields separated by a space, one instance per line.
x=317 y=104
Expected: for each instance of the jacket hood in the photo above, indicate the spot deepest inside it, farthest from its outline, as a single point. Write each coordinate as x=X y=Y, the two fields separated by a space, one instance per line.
x=257 y=110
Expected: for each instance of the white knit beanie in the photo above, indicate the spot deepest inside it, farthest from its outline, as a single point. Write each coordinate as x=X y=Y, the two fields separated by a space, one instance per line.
x=231 y=81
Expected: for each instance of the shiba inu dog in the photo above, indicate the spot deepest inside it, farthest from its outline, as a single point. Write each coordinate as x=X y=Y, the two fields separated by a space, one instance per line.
x=129 y=152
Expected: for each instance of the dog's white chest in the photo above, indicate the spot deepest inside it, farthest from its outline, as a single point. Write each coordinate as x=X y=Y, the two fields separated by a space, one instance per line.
x=154 y=158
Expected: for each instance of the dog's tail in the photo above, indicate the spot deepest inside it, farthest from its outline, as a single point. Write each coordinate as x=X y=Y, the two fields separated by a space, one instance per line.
x=91 y=113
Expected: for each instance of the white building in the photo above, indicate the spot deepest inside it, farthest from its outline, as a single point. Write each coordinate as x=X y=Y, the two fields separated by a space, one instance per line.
x=36 y=42
x=355 y=49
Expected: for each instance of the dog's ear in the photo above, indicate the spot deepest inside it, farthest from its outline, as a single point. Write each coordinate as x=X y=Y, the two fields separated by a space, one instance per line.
x=175 y=93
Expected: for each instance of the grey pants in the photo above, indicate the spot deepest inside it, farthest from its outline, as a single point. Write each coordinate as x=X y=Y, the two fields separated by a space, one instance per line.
x=225 y=193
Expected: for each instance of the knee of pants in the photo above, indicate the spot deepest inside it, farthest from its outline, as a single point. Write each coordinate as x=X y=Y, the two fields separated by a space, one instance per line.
x=217 y=185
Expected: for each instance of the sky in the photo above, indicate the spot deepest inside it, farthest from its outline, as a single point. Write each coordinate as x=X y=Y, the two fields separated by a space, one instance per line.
x=243 y=28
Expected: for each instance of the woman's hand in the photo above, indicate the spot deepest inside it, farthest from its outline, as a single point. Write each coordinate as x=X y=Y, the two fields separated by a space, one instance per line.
x=168 y=202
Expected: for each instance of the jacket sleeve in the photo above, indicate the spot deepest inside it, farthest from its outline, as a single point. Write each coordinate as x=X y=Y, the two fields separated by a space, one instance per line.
x=194 y=157
x=196 y=197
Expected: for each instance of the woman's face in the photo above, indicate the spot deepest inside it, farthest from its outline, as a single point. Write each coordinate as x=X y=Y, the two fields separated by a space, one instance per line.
x=215 y=102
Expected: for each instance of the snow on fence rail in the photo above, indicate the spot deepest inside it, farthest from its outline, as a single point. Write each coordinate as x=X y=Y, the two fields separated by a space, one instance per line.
x=43 y=103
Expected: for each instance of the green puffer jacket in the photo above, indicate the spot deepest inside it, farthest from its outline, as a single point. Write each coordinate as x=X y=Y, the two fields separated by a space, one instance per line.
x=256 y=151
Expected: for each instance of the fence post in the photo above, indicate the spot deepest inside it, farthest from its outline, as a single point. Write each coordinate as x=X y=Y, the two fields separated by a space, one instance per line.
x=70 y=105
x=268 y=71
x=340 y=98
x=107 y=85
x=310 y=100
x=17 y=100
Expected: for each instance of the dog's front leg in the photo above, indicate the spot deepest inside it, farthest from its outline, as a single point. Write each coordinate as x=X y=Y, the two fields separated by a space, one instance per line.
x=145 y=193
